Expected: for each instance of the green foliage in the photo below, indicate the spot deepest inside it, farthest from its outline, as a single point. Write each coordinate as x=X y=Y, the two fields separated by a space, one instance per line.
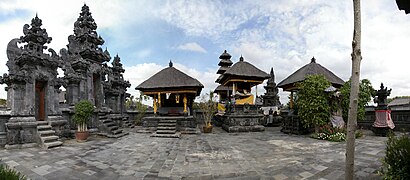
x=3 y=102
x=327 y=132
x=209 y=106
x=366 y=92
x=391 y=99
x=396 y=163
x=83 y=111
x=312 y=104
x=141 y=108
x=10 y=174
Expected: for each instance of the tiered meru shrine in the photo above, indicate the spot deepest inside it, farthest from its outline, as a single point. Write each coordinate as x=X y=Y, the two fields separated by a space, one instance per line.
x=36 y=116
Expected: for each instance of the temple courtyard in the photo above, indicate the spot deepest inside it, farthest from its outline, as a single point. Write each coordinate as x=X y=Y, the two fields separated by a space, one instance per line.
x=258 y=155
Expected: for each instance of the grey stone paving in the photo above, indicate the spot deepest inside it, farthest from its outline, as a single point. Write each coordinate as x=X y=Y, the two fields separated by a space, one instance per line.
x=257 y=155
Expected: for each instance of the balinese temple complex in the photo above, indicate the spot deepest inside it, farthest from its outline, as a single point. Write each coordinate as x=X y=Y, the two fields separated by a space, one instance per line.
x=242 y=115
x=173 y=94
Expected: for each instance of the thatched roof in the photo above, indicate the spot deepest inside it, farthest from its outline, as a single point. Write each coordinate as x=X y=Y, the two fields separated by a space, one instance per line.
x=310 y=69
x=170 y=78
x=244 y=70
x=222 y=88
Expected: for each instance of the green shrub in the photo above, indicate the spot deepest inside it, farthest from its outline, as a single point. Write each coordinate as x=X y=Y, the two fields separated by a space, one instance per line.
x=313 y=102
x=396 y=163
x=10 y=174
x=83 y=111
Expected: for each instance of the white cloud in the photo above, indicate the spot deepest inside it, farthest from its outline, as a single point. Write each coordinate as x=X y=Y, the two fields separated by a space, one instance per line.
x=192 y=47
x=283 y=35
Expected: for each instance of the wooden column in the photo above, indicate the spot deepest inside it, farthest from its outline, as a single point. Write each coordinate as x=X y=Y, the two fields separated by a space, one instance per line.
x=155 y=104
x=185 y=104
x=291 y=100
x=159 y=99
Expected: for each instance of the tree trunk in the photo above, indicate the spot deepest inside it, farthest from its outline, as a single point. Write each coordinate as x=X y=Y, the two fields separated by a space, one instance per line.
x=354 y=92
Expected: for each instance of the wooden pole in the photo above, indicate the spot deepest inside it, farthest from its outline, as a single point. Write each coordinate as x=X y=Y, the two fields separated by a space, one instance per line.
x=291 y=100
x=155 y=104
x=354 y=92
x=185 y=104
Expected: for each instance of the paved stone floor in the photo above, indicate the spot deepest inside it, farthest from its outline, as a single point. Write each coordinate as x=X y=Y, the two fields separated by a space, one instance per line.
x=258 y=155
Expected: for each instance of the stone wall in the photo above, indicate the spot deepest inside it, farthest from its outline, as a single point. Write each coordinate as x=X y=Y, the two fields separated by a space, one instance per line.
x=401 y=119
x=4 y=117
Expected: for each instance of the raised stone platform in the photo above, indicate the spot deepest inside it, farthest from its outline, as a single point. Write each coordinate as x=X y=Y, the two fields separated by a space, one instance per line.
x=243 y=118
x=182 y=121
x=243 y=123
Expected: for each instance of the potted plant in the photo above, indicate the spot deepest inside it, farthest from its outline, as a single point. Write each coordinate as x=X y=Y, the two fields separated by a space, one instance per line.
x=83 y=111
x=208 y=107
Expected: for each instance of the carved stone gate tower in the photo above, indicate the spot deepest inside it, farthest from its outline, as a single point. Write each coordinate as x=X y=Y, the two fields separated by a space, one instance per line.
x=32 y=86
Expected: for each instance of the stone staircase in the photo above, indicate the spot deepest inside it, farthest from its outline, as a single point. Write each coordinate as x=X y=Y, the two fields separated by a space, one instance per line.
x=167 y=128
x=47 y=135
x=108 y=127
x=127 y=122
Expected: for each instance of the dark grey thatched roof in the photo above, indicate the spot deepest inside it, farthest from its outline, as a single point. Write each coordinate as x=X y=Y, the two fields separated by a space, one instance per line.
x=245 y=70
x=170 y=78
x=223 y=88
x=310 y=69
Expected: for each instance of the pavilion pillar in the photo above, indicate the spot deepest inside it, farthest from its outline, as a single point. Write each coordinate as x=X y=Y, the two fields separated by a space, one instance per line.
x=159 y=99
x=291 y=100
x=155 y=104
x=185 y=104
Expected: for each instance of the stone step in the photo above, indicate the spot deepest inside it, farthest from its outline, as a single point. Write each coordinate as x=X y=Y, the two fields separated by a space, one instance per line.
x=166 y=131
x=112 y=128
x=47 y=139
x=166 y=128
x=42 y=122
x=106 y=120
x=102 y=117
x=43 y=127
x=110 y=124
x=49 y=145
x=47 y=132
x=176 y=135
x=117 y=131
x=167 y=124
x=167 y=121
x=114 y=135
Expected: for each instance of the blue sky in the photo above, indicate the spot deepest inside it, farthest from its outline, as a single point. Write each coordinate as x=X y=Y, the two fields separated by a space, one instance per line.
x=283 y=34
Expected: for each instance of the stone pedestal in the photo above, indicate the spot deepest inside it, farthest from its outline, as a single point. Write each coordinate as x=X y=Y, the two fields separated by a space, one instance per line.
x=21 y=132
x=243 y=118
x=59 y=125
x=243 y=123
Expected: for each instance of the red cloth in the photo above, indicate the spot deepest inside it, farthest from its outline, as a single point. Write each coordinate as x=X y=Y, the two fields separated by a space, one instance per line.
x=383 y=119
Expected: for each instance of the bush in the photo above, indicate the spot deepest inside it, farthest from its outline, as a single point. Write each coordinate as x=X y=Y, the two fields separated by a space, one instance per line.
x=396 y=163
x=312 y=104
x=10 y=174
x=83 y=111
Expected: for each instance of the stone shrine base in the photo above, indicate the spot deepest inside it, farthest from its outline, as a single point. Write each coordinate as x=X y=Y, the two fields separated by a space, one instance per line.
x=243 y=122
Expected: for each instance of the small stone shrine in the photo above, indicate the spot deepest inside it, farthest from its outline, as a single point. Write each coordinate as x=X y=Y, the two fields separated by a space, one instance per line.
x=383 y=120
x=271 y=98
x=173 y=94
x=32 y=90
x=242 y=115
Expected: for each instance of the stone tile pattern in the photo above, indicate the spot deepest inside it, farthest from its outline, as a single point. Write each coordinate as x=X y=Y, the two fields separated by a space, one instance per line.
x=220 y=155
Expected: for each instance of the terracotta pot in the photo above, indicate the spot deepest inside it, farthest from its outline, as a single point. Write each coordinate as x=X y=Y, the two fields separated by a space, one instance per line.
x=81 y=136
x=207 y=129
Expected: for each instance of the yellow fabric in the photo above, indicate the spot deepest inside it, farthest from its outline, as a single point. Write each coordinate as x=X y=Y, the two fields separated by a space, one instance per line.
x=248 y=100
x=221 y=107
